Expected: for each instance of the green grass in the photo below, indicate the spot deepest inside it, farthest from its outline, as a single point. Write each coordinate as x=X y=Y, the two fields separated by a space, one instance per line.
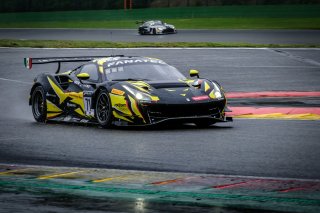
x=104 y=44
x=221 y=17
x=196 y=23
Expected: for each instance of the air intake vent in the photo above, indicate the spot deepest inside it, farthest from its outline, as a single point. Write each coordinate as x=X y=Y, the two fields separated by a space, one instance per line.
x=169 y=85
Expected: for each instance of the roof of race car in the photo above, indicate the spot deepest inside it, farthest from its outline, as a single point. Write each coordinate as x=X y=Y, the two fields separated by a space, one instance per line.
x=153 y=22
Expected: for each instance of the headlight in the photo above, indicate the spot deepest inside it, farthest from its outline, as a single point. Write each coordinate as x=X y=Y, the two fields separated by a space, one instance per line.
x=217 y=91
x=140 y=96
x=218 y=94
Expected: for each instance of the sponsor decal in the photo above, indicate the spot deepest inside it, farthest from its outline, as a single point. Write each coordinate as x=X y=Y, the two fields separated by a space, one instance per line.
x=91 y=113
x=134 y=61
x=87 y=93
x=87 y=105
x=117 y=91
x=71 y=105
x=121 y=105
x=200 y=98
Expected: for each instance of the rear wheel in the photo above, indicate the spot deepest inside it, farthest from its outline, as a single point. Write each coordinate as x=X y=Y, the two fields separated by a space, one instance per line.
x=103 y=109
x=38 y=103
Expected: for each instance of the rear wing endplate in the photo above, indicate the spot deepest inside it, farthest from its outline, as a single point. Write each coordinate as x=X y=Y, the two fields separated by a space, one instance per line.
x=28 y=62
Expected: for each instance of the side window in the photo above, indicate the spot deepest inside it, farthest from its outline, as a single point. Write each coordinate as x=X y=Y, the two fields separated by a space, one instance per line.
x=92 y=70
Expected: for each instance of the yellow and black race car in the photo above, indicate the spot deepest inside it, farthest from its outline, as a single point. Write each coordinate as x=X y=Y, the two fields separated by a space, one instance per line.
x=123 y=91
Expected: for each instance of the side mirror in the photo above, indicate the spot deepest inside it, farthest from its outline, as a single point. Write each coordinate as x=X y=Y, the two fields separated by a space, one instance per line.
x=83 y=76
x=194 y=73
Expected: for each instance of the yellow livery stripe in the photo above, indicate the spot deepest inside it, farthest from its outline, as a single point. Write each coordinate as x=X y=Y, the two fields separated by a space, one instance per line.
x=134 y=108
x=117 y=115
x=119 y=103
x=206 y=86
x=57 y=90
x=53 y=114
x=51 y=107
x=212 y=95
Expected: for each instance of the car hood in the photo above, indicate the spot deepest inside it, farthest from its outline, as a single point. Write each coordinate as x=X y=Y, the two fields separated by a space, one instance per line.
x=175 y=91
x=169 y=25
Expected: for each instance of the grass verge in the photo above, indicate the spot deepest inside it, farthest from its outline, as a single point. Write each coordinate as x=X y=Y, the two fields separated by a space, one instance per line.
x=195 y=23
x=105 y=44
x=218 y=17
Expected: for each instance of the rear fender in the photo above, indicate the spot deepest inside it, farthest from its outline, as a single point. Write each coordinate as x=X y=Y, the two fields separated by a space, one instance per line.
x=40 y=80
x=35 y=85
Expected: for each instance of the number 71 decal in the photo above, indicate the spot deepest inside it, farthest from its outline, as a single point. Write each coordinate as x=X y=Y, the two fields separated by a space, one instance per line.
x=87 y=106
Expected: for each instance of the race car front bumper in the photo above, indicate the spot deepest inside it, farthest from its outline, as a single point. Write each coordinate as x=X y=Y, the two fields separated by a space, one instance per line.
x=187 y=112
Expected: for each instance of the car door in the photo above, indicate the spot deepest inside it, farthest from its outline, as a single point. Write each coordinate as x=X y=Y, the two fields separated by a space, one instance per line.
x=80 y=91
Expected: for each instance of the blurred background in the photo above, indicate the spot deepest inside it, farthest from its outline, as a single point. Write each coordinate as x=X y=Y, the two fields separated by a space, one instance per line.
x=62 y=5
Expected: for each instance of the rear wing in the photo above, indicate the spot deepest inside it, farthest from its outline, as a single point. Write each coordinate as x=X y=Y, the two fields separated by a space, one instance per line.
x=28 y=62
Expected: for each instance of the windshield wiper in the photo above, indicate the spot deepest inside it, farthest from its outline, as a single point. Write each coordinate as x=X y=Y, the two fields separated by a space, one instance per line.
x=130 y=79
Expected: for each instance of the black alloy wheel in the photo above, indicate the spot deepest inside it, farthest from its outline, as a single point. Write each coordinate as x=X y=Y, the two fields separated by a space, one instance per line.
x=39 y=106
x=104 y=109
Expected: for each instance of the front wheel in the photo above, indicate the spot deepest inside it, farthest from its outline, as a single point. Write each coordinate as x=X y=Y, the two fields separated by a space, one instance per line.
x=104 y=109
x=38 y=103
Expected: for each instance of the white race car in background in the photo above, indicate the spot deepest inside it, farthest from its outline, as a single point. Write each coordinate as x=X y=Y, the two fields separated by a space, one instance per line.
x=154 y=27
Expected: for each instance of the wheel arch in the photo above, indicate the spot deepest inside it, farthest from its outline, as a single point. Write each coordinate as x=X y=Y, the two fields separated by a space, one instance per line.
x=96 y=93
x=35 y=85
x=40 y=80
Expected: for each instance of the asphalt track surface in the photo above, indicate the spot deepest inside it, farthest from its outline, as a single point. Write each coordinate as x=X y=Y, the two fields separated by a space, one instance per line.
x=129 y=35
x=266 y=148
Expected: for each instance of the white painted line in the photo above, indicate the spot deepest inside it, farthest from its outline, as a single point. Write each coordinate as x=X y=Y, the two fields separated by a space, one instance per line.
x=22 y=82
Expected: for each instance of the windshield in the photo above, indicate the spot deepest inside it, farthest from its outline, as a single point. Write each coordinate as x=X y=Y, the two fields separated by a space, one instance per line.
x=147 y=72
x=153 y=23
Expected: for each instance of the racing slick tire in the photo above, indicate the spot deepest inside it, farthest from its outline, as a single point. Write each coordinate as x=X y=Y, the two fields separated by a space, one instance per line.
x=104 y=109
x=39 y=104
x=154 y=31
